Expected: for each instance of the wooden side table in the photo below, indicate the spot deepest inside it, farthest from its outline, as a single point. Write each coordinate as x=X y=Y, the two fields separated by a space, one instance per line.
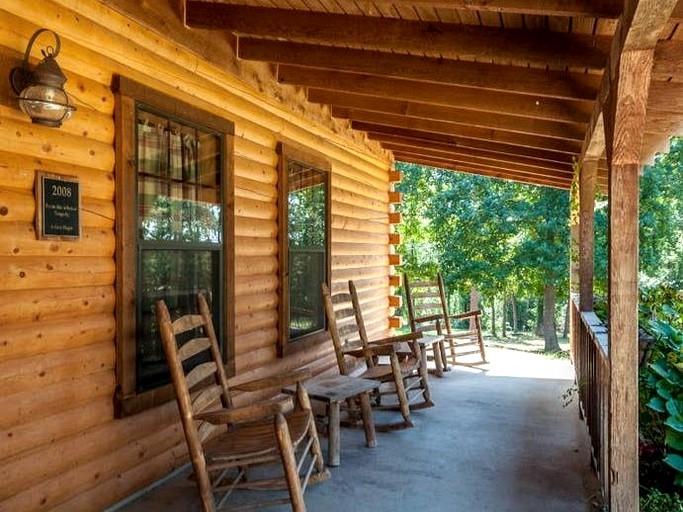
x=333 y=390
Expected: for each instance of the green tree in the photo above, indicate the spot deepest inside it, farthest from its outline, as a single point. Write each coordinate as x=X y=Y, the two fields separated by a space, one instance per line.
x=661 y=218
x=417 y=249
x=544 y=252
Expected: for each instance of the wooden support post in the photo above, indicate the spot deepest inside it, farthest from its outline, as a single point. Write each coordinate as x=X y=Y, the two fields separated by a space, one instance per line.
x=587 y=184
x=627 y=109
x=574 y=251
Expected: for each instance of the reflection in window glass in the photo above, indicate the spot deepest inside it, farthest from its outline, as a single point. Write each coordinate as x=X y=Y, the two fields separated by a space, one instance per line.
x=307 y=237
x=174 y=276
x=179 y=230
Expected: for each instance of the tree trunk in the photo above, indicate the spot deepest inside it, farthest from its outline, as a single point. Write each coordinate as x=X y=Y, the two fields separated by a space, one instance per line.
x=549 y=333
x=539 y=317
x=493 y=316
x=474 y=305
x=505 y=309
x=515 y=319
x=565 y=329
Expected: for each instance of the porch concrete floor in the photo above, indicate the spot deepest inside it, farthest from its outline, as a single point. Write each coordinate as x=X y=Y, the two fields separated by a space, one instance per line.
x=498 y=439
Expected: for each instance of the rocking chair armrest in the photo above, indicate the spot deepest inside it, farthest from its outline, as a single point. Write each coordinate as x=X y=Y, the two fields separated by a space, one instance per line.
x=252 y=412
x=467 y=314
x=279 y=381
x=428 y=318
x=371 y=351
x=400 y=338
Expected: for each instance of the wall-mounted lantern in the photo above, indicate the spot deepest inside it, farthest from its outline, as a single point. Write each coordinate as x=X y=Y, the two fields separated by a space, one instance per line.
x=41 y=89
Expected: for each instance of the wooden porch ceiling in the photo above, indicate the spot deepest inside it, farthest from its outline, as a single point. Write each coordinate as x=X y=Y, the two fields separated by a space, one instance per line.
x=501 y=88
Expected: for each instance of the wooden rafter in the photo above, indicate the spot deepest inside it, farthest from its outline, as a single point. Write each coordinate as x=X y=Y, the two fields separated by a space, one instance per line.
x=533 y=82
x=591 y=8
x=511 y=76
x=480 y=162
x=389 y=140
x=439 y=94
x=473 y=154
x=471 y=132
x=342 y=103
x=378 y=132
x=555 y=49
x=482 y=171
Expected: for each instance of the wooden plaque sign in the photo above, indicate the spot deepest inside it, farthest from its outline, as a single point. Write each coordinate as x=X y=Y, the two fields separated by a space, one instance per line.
x=58 y=207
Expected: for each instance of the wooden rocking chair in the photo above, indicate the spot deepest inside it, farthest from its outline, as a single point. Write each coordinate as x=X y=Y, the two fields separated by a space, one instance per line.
x=225 y=441
x=428 y=313
x=403 y=376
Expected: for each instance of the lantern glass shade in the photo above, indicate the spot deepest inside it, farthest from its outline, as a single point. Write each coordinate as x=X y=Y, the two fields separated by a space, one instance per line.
x=45 y=104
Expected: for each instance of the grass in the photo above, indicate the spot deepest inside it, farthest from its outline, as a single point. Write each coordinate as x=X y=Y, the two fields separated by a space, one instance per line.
x=527 y=342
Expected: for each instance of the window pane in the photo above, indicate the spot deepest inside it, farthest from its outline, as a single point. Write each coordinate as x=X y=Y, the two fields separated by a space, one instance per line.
x=307 y=249
x=171 y=210
x=176 y=277
x=179 y=212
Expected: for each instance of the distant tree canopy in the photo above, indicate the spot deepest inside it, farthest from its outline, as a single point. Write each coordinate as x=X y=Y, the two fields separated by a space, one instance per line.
x=661 y=224
x=505 y=238
x=499 y=237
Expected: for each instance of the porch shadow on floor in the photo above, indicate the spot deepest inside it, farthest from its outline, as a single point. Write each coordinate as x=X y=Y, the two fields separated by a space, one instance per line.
x=498 y=440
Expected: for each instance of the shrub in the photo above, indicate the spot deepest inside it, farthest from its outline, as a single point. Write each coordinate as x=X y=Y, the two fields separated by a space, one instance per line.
x=656 y=501
x=661 y=391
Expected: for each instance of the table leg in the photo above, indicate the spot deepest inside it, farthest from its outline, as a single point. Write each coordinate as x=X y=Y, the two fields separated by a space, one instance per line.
x=368 y=421
x=439 y=359
x=333 y=440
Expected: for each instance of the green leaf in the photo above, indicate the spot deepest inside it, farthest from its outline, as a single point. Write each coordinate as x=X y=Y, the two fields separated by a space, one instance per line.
x=675 y=408
x=679 y=480
x=668 y=310
x=674 y=440
x=662 y=328
x=656 y=403
x=675 y=461
x=663 y=388
x=661 y=368
x=674 y=424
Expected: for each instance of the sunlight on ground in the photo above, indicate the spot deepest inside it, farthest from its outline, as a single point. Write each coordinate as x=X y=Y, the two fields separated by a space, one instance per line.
x=515 y=363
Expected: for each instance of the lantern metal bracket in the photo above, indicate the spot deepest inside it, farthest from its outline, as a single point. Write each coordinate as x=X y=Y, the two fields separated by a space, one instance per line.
x=22 y=76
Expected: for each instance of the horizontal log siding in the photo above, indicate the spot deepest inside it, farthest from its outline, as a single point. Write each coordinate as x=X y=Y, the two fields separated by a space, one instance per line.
x=61 y=447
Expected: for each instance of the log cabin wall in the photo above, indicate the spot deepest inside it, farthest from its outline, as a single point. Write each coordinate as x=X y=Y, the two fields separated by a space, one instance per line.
x=61 y=447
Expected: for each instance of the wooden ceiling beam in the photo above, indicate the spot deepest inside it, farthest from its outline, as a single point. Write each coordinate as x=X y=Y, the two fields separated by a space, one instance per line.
x=528 y=81
x=470 y=132
x=663 y=123
x=482 y=171
x=378 y=132
x=677 y=13
x=587 y=8
x=666 y=96
x=470 y=42
x=437 y=94
x=668 y=59
x=398 y=149
x=341 y=102
x=395 y=141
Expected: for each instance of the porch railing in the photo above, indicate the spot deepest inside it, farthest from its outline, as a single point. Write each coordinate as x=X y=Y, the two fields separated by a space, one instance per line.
x=590 y=353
